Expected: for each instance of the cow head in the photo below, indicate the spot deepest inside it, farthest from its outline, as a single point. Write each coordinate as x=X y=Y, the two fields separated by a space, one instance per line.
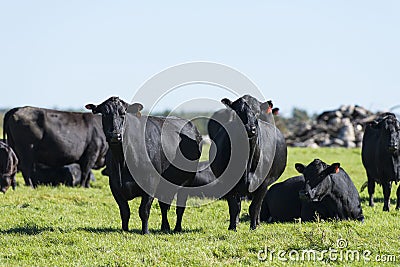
x=317 y=177
x=6 y=181
x=113 y=112
x=245 y=113
x=391 y=134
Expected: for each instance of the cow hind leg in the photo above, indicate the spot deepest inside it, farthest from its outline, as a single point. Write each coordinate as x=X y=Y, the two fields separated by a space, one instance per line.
x=387 y=186
x=165 y=227
x=234 y=204
x=144 y=212
x=371 y=191
x=255 y=208
x=398 y=198
x=180 y=209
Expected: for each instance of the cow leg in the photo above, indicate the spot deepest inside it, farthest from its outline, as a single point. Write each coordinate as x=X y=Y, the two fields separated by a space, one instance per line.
x=180 y=209
x=255 y=208
x=387 y=186
x=398 y=198
x=125 y=213
x=234 y=204
x=164 y=216
x=371 y=191
x=144 y=212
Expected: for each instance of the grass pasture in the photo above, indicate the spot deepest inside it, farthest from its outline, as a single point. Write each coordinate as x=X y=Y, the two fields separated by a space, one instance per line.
x=60 y=226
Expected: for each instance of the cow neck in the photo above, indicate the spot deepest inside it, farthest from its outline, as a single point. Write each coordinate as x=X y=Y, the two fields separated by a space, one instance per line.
x=253 y=142
x=118 y=157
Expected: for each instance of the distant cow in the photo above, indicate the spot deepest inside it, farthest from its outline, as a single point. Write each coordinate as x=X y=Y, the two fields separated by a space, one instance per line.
x=264 y=111
x=331 y=191
x=139 y=146
x=381 y=156
x=264 y=164
x=8 y=167
x=55 y=139
x=69 y=175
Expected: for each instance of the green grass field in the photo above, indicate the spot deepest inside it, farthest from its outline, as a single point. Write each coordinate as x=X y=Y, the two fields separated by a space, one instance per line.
x=81 y=227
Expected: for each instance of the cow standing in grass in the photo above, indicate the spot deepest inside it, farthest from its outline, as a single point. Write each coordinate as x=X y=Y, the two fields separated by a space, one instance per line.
x=381 y=156
x=8 y=167
x=137 y=163
x=256 y=170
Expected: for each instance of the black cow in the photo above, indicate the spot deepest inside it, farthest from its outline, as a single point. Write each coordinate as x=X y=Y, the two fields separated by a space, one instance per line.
x=381 y=156
x=55 y=139
x=257 y=169
x=138 y=155
x=331 y=191
x=69 y=175
x=8 y=167
x=282 y=202
x=264 y=111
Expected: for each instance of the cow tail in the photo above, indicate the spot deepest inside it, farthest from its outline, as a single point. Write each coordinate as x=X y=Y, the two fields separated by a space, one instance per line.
x=5 y=127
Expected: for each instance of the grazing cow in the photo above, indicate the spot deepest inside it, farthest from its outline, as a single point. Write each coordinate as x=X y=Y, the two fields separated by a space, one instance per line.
x=331 y=191
x=55 y=139
x=264 y=163
x=282 y=201
x=221 y=117
x=138 y=156
x=381 y=156
x=8 y=167
x=69 y=175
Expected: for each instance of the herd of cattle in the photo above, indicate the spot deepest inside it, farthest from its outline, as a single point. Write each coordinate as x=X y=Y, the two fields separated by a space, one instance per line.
x=53 y=147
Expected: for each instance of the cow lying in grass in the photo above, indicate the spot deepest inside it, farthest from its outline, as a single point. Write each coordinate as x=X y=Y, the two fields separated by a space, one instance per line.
x=326 y=190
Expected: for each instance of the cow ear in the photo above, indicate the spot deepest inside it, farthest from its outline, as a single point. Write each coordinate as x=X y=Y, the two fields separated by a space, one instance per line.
x=334 y=168
x=92 y=107
x=299 y=167
x=135 y=109
x=226 y=102
x=267 y=106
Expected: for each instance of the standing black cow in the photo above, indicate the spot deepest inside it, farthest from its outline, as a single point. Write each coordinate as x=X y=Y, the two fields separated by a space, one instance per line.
x=55 y=138
x=263 y=165
x=8 y=167
x=331 y=191
x=138 y=155
x=264 y=111
x=381 y=156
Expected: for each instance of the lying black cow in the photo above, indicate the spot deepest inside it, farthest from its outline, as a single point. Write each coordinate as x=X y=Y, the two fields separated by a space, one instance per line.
x=257 y=169
x=381 y=156
x=137 y=148
x=55 y=139
x=264 y=111
x=69 y=175
x=282 y=201
x=8 y=167
x=331 y=192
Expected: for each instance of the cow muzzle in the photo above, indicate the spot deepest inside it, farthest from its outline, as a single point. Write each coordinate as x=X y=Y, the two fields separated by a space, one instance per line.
x=115 y=138
x=251 y=131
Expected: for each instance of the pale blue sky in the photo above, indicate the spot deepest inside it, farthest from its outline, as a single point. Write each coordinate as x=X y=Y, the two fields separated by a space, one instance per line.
x=314 y=55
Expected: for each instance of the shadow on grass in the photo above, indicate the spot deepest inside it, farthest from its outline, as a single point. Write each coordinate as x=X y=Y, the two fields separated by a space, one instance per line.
x=27 y=230
x=136 y=231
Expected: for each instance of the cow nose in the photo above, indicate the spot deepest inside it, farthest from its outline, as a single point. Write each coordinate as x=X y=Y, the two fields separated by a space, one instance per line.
x=253 y=129
x=115 y=137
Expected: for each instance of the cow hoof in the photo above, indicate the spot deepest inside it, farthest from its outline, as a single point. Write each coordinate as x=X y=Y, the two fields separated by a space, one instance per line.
x=165 y=229
x=253 y=227
x=231 y=228
x=145 y=232
x=178 y=229
x=385 y=208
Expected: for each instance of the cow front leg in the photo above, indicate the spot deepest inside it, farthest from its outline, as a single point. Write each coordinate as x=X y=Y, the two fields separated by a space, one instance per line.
x=398 y=198
x=144 y=212
x=125 y=213
x=387 y=186
x=165 y=227
x=255 y=208
x=371 y=191
x=234 y=204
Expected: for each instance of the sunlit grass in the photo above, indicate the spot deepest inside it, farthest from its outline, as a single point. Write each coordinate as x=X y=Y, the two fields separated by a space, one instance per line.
x=61 y=226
